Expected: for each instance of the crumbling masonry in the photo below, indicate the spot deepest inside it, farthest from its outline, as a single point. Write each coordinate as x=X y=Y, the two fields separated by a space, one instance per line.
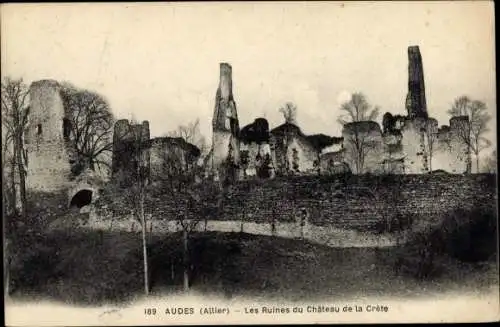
x=411 y=144
x=401 y=146
x=225 y=142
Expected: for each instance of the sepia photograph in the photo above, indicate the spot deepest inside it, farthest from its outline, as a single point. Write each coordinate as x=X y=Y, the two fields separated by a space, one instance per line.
x=179 y=163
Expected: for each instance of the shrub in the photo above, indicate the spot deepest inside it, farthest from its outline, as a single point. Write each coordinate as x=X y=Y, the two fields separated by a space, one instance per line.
x=417 y=258
x=468 y=235
x=465 y=235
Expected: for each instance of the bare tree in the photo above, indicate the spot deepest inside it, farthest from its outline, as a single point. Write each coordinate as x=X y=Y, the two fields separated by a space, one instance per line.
x=88 y=127
x=479 y=122
x=387 y=202
x=191 y=134
x=394 y=163
x=357 y=109
x=15 y=111
x=180 y=181
x=140 y=154
x=472 y=134
x=359 y=140
x=360 y=145
x=128 y=191
x=138 y=144
x=8 y=174
x=289 y=111
x=490 y=164
x=430 y=139
x=460 y=106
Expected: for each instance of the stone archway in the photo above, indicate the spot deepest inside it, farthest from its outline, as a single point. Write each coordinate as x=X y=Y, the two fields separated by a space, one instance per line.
x=81 y=198
x=82 y=195
x=84 y=190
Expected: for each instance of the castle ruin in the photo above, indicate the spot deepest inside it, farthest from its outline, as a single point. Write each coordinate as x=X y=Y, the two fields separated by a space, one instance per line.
x=405 y=144
x=130 y=152
x=134 y=151
x=46 y=138
x=49 y=150
x=225 y=126
x=416 y=104
x=411 y=144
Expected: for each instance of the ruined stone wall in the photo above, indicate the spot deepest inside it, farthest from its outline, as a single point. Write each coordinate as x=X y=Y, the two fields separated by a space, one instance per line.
x=354 y=202
x=87 y=180
x=48 y=159
x=451 y=150
x=364 y=138
x=125 y=137
x=393 y=156
x=225 y=125
x=349 y=203
x=413 y=141
x=256 y=154
x=157 y=153
x=414 y=146
x=277 y=145
x=222 y=141
x=165 y=152
x=290 y=148
x=333 y=163
x=302 y=153
x=274 y=148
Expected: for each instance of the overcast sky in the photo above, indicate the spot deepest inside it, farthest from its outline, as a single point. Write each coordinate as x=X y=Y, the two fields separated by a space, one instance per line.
x=160 y=62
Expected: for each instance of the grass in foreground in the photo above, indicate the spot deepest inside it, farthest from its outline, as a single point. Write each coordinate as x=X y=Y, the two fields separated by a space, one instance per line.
x=91 y=268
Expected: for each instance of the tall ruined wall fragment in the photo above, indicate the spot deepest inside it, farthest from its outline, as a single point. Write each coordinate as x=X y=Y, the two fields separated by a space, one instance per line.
x=411 y=144
x=414 y=145
x=393 y=155
x=415 y=100
x=125 y=140
x=301 y=156
x=225 y=125
x=256 y=154
x=168 y=154
x=48 y=166
x=451 y=151
x=293 y=151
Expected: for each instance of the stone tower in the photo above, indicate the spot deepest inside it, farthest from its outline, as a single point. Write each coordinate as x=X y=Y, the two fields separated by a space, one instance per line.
x=125 y=137
x=225 y=126
x=415 y=99
x=48 y=159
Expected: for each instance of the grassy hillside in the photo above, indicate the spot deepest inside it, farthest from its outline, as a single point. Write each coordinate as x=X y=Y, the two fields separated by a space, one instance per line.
x=94 y=268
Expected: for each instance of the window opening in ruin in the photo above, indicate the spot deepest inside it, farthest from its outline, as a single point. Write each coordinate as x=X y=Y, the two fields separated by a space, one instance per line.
x=81 y=199
x=39 y=129
x=66 y=128
x=232 y=125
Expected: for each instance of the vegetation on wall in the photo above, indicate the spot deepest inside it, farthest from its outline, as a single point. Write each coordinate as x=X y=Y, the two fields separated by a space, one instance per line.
x=356 y=113
x=472 y=134
x=88 y=129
